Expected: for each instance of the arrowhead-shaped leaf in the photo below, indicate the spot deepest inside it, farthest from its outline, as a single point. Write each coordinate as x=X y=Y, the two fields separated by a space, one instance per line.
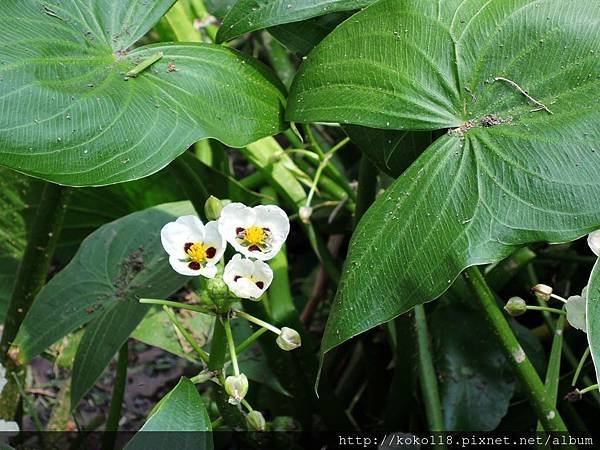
x=115 y=266
x=69 y=113
x=183 y=415
x=512 y=169
x=251 y=15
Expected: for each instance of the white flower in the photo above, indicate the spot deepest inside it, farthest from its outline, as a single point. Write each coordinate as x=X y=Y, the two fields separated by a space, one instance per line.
x=193 y=248
x=575 y=308
x=594 y=242
x=257 y=232
x=247 y=278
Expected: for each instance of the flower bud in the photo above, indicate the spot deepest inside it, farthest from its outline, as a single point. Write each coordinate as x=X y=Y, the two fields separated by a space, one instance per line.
x=516 y=306
x=255 y=421
x=542 y=292
x=288 y=339
x=213 y=208
x=217 y=288
x=236 y=387
x=305 y=212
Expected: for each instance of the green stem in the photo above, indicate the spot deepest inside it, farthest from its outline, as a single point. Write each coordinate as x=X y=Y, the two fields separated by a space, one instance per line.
x=152 y=301
x=216 y=423
x=250 y=340
x=523 y=369
x=217 y=347
x=547 y=309
x=34 y=266
x=582 y=361
x=247 y=405
x=593 y=387
x=114 y=414
x=187 y=336
x=367 y=188
x=231 y=345
x=553 y=370
x=257 y=321
x=427 y=374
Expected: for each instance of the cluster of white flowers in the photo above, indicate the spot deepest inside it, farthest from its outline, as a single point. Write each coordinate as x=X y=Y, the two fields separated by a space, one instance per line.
x=256 y=233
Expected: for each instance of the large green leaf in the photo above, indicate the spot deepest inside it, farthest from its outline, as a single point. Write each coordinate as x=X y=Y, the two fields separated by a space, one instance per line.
x=507 y=173
x=251 y=15
x=117 y=264
x=70 y=115
x=593 y=317
x=183 y=415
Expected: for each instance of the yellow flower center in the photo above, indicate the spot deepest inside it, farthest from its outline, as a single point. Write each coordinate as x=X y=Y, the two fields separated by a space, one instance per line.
x=255 y=235
x=197 y=252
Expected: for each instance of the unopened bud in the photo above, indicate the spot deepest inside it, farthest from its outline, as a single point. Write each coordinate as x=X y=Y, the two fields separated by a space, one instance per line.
x=213 y=207
x=305 y=212
x=516 y=306
x=236 y=387
x=217 y=288
x=288 y=339
x=542 y=292
x=255 y=421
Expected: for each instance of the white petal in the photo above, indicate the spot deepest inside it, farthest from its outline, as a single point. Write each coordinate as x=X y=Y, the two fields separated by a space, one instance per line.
x=194 y=225
x=575 y=308
x=244 y=288
x=212 y=238
x=208 y=271
x=234 y=216
x=173 y=237
x=274 y=218
x=262 y=272
x=594 y=242
x=242 y=269
x=183 y=268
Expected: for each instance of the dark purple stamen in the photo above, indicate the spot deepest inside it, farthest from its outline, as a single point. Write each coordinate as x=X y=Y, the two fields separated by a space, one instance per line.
x=211 y=252
x=194 y=265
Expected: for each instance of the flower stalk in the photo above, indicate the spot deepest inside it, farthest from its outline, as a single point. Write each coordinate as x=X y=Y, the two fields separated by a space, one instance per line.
x=257 y=321
x=231 y=345
x=427 y=374
x=186 y=335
